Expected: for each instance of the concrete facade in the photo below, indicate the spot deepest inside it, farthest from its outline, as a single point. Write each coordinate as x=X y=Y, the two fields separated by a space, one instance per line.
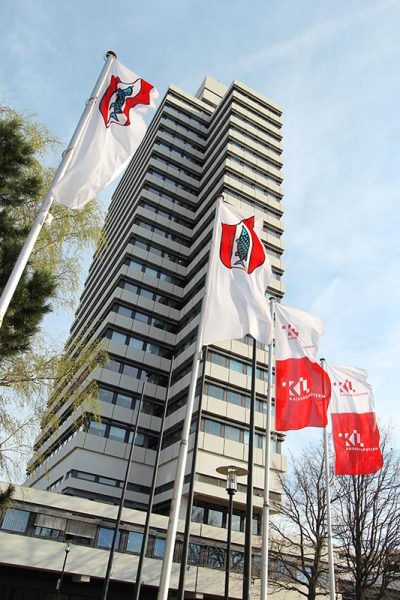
x=35 y=530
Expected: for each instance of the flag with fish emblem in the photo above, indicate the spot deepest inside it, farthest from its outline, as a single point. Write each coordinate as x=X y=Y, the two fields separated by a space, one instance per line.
x=239 y=273
x=114 y=131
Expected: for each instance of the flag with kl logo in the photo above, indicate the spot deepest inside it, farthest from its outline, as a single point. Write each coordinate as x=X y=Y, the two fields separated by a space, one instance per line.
x=112 y=134
x=302 y=387
x=239 y=273
x=354 y=429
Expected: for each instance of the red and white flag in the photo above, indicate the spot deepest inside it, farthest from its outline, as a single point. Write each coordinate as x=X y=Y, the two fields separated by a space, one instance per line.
x=302 y=387
x=354 y=428
x=239 y=274
x=113 y=133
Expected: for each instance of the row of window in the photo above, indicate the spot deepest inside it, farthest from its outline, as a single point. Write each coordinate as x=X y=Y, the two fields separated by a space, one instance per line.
x=255 y=186
x=190 y=116
x=158 y=251
x=118 y=433
x=166 y=179
x=182 y=140
x=157 y=273
x=265 y=133
x=177 y=153
x=217 y=516
x=139 y=290
x=181 y=170
x=254 y=204
x=162 y=232
x=85 y=533
x=131 y=370
x=256 y=141
x=142 y=317
x=268 y=161
x=126 y=400
x=272 y=231
x=183 y=127
x=234 y=397
x=173 y=199
x=137 y=343
x=237 y=434
x=234 y=364
x=164 y=214
x=110 y=481
x=250 y=167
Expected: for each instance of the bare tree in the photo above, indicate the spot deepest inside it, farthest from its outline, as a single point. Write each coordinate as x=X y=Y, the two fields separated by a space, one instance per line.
x=299 y=532
x=367 y=527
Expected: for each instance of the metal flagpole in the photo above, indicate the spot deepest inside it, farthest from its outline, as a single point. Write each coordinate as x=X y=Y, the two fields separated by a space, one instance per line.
x=143 y=549
x=267 y=470
x=249 y=496
x=43 y=215
x=186 y=536
x=165 y=577
x=331 y=561
x=122 y=500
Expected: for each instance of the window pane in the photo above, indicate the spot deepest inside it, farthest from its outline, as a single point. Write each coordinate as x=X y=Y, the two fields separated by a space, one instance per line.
x=237 y=561
x=237 y=523
x=153 y=349
x=194 y=554
x=198 y=514
x=215 y=517
x=236 y=365
x=159 y=547
x=218 y=359
x=134 y=543
x=135 y=343
x=232 y=433
x=117 y=433
x=212 y=427
x=130 y=287
x=106 y=395
x=141 y=317
x=151 y=272
x=16 y=520
x=97 y=428
x=124 y=310
x=105 y=538
x=146 y=294
x=118 y=337
x=215 y=391
x=216 y=557
x=123 y=400
x=234 y=397
x=135 y=265
x=131 y=371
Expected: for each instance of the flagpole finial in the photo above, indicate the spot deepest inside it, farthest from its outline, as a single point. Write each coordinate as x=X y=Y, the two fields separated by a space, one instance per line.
x=110 y=53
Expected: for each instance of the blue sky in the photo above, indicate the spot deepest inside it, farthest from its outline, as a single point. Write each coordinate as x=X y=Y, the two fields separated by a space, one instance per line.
x=334 y=69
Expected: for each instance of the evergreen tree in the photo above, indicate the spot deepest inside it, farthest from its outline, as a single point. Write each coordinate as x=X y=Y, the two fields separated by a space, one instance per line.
x=31 y=363
x=20 y=183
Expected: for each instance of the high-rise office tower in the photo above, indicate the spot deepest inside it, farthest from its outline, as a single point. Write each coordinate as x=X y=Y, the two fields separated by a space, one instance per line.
x=143 y=296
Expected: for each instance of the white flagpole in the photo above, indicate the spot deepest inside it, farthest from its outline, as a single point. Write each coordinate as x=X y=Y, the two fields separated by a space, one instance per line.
x=331 y=561
x=43 y=215
x=165 y=577
x=267 y=470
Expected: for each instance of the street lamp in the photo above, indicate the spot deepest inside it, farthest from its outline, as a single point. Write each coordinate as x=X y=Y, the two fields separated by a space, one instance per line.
x=232 y=473
x=60 y=579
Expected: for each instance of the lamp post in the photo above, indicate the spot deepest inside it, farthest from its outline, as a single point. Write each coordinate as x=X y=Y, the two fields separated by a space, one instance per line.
x=60 y=579
x=232 y=473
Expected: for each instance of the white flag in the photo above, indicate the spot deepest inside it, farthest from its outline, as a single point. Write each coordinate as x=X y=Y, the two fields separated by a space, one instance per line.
x=113 y=133
x=239 y=274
